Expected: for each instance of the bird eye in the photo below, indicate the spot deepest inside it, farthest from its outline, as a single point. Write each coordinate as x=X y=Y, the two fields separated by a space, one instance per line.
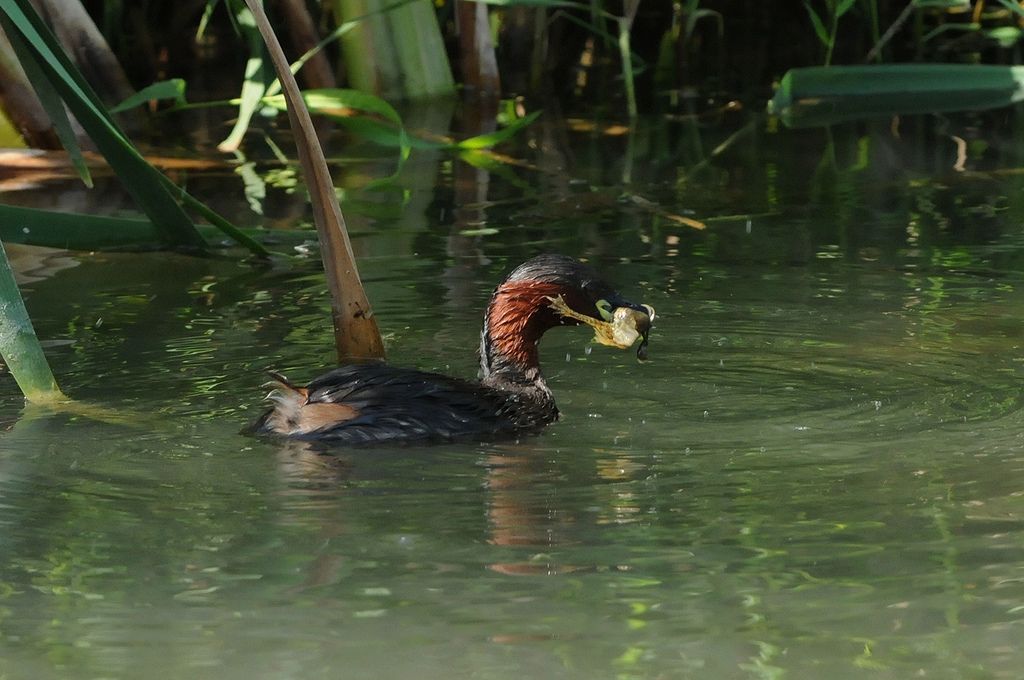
x=605 y=308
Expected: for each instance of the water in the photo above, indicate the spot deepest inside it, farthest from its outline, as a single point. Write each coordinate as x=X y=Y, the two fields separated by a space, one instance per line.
x=818 y=474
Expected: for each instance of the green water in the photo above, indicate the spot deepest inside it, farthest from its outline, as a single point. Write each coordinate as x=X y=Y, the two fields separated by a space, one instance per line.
x=820 y=472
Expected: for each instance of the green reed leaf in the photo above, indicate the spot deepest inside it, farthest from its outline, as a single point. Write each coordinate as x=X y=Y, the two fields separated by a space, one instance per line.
x=19 y=345
x=78 y=231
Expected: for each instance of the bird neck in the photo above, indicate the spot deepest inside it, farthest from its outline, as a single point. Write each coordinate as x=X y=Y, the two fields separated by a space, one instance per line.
x=517 y=316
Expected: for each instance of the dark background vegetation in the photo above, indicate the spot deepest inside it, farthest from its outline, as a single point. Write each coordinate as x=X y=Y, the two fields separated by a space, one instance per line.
x=740 y=50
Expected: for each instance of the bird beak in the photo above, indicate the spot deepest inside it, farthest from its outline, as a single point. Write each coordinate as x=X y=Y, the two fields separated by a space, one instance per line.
x=629 y=322
x=643 y=321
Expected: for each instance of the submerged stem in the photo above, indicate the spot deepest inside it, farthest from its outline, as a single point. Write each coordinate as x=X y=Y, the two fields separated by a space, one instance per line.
x=355 y=330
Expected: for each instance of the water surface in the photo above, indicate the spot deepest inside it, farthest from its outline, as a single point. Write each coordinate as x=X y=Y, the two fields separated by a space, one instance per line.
x=818 y=474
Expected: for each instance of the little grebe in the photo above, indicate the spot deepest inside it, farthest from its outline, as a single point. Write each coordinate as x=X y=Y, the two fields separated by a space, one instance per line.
x=375 y=403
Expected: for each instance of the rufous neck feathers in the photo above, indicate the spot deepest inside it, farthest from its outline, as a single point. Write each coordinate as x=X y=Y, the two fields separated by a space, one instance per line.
x=518 y=315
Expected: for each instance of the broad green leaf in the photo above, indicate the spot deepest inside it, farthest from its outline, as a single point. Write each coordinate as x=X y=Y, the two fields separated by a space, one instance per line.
x=337 y=104
x=376 y=131
x=816 y=96
x=490 y=139
x=19 y=345
x=164 y=89
x=386 y=134
x=77 y=231
x=335 y=98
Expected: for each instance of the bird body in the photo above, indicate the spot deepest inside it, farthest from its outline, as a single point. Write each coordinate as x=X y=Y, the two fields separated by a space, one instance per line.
x=364 y=404
x=376 y=403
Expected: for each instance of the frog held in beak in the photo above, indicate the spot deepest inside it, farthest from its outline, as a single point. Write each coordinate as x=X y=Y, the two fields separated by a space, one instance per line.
x=620 y=326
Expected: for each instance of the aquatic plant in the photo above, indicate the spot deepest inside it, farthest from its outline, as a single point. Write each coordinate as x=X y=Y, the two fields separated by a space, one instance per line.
x=395 y=50
x=355 y=328
x=58 y=83
x=19 y=346
x=356 y=331
x=827 y=33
